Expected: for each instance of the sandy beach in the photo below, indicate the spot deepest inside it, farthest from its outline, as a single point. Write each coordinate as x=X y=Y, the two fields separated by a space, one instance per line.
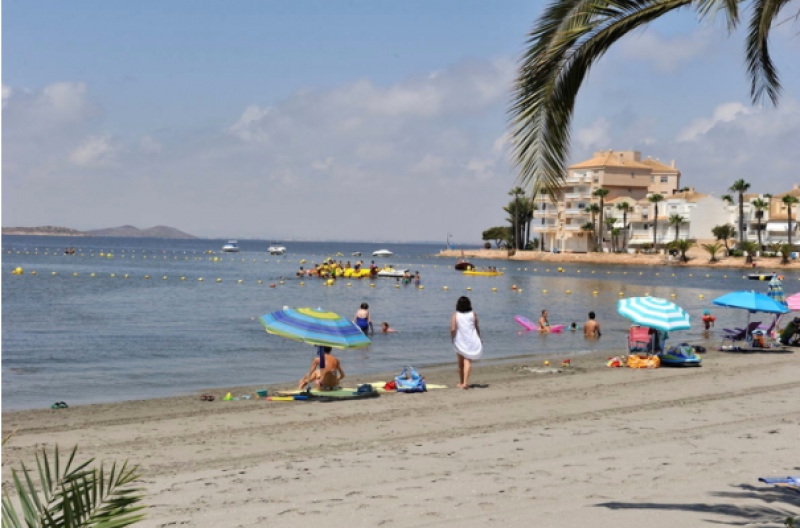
x=589 y=446
x=698 y=259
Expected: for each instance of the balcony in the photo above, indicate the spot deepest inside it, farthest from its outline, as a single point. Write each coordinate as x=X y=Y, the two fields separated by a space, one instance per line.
x=577 y=196
x=572 y=227
x=546 y=228
x=575 y=212
x=545 y=212
x=578 y=179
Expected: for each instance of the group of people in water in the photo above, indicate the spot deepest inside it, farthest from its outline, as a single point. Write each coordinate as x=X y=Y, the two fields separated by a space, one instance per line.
x=69 y=251
x=591 y=328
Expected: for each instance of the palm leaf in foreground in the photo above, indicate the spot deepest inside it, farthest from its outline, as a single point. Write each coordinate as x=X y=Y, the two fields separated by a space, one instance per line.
x=565 y=43
x=74 y=496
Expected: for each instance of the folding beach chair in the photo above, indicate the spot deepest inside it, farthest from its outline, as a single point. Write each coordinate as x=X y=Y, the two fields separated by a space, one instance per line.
x=639 y=339
x=791 y=483
x=738 y=334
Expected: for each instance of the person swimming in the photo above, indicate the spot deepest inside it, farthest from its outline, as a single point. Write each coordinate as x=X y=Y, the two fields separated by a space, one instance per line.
x=574 y=326
x=544 y=324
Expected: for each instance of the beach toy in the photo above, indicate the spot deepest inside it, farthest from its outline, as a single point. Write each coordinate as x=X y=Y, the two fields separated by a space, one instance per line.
x=280 y=398
x=546 y=363
x=566 y=363
x=228 y=397
x=262 y=393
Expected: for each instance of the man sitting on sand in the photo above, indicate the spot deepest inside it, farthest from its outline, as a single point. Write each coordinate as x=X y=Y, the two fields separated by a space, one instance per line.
x=591 y=328
x=326 y=378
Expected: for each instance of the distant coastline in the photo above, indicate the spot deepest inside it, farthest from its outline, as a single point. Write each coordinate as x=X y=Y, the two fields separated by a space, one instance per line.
x=122 y=231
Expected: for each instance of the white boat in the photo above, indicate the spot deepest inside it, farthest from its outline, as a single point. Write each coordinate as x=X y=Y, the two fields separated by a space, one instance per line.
x=382 y=253
x=231 y=247
x=355 y=254
x=391 y=272
x=276 y=250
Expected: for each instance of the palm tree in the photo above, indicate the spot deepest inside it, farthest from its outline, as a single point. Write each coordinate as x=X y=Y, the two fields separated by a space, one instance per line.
x=593 y=209
x=789 y=200
x=73 y=495
x=683 y=246
x=727 y=198
x=515 y=205
x=724 y=232
x=760 y=206
x=676 y=220
x=624 y=207
x=785 y=250
x=712 y=249
x=615 y=234
x=654 y=199
x=601 y=193
x=740 y=186
x=750 y=248
x=572 y=35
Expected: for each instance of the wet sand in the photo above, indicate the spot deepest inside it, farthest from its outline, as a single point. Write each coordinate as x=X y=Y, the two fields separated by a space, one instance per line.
x=589 y=446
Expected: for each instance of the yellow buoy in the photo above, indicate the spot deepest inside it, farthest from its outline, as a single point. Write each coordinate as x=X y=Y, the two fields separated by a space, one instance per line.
x=569 y=291
x=701 y=296
x=519 y=290
x=260 y=282
x=421 y=287
x=469 y=288
x=113 y=274
x=126 y=276
x=219 y=280
x=302 y=283
x=200 y=279
x=494 y=289
x=546 y=363
x=672 y=295
x=164 y=277
x=54 y=273
x=594 y=293
x=372 y=285
x=239 y=281
x=74 y=274
x=280 y=282
x=544 y=291
x=445 y=287
x=396 y=285
x=147 y=276
x=621 y=294
x=33 y=272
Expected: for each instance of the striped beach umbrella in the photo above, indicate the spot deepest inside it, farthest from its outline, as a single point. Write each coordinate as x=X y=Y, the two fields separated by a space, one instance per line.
x=315 y=327
x=654 y=312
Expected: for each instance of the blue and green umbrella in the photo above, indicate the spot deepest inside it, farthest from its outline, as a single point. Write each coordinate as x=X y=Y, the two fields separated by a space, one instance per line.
x=315 y=327
x=654 y=312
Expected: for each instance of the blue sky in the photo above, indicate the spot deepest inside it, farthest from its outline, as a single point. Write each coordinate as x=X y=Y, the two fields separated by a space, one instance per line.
x=255 y=119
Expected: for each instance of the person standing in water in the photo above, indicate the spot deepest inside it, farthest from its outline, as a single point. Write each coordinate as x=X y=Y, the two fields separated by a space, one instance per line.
x=591 y=328
x=363 y=320
x=466 y=336
x=544 y=324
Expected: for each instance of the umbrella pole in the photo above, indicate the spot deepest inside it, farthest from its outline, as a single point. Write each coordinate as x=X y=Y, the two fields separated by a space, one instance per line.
x=747 y=330
x=321 y=352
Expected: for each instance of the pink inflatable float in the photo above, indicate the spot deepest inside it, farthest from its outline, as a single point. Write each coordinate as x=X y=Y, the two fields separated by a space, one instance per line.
x=531 y=327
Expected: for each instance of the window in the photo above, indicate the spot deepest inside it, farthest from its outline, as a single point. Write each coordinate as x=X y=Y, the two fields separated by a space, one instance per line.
x=630 y=190
x=652 y=179
x=664 y=179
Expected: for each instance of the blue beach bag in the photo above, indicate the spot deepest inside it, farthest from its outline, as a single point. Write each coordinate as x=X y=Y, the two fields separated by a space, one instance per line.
x=410 y=381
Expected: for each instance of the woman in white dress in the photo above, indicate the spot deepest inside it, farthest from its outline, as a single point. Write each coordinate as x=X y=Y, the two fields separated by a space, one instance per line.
x=466 y=336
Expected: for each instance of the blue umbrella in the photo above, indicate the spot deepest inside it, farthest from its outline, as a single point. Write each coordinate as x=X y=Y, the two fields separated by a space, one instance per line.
x=654 y=312
x=752 y=302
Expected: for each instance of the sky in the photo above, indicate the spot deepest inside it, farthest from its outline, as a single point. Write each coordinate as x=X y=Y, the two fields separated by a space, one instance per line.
x=346 y=120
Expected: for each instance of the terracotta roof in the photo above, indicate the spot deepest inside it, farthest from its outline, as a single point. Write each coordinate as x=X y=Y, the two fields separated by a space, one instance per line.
x=621 y=199
x=658 y=167
x=609 y=159
x=793 y=192
x=689 y=196
x=751 y=196
x=779 y=218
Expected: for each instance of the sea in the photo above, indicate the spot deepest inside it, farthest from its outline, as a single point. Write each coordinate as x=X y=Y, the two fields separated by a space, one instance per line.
x=129 y=318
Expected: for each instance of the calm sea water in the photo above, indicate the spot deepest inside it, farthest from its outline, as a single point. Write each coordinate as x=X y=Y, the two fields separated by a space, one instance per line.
x=86 y=339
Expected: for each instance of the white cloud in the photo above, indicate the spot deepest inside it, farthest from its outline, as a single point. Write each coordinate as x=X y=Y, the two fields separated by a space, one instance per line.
x=323 y=165
x=724 y=113
x=665 y=54
x=94 y=151
x=7 y=91
x=595 y=135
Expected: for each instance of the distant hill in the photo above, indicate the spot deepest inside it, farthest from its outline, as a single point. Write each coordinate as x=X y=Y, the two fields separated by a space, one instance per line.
x=44 y=230
x=151 y=232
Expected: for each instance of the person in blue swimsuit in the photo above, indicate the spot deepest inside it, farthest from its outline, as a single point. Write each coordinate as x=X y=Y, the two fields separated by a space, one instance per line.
x=363 y=320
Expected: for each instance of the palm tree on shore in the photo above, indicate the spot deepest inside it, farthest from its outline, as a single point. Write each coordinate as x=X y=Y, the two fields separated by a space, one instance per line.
x=760 y=206
x=789 y=200
x=712 y=249
x=624 y=207
x=593 y=209
x=572 y=35
x=740 y=186
x=676 y=220
x=516 y=213
x=601 y=193
x=654 y=199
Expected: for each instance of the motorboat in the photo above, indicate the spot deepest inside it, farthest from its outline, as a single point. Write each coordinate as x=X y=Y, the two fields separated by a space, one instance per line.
x=760 y=276
x=392 y=272
x=231 y=247
x=276 y=250
x=462 y=265
x=355 y=254
x=382 y=253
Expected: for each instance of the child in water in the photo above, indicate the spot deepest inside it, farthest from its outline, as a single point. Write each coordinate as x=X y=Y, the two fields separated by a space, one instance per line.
x=574 y=326
x=385 y=328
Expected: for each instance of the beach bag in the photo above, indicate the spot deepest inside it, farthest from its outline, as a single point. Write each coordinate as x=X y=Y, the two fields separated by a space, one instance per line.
x=409 y=381
x=644 y=362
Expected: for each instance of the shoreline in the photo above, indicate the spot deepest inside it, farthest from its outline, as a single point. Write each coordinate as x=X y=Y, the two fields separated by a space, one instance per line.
x=588 y=446
x=623 y=259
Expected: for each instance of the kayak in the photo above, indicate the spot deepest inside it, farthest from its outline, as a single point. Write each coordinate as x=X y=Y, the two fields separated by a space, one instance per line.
x=485 y=273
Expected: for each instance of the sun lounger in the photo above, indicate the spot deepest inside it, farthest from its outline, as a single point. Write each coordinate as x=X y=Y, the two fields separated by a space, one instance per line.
x=739 y=334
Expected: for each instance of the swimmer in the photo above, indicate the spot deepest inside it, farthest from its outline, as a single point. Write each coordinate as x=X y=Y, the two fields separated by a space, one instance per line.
x=574 y=326
x=385 y=328
x=544 y=325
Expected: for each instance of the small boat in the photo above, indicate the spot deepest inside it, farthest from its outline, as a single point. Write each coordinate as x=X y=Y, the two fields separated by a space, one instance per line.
x=393 y=273
x=382 y=253
x=231 y=247
x=485 y=273
x=355 y=254
x=276 y=250
x=462 y=265
x=760 y=276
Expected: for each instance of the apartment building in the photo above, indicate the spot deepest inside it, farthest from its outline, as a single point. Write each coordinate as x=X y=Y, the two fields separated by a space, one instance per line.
x=560 y=223
x=772 y=221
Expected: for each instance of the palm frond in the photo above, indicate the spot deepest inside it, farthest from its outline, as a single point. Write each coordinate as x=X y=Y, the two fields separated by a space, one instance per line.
x=763 y=74
x=74 y=496
x=569 y=38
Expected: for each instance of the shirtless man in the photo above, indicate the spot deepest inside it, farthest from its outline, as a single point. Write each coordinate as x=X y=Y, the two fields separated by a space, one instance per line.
x=326 y=378
x=591 y=328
